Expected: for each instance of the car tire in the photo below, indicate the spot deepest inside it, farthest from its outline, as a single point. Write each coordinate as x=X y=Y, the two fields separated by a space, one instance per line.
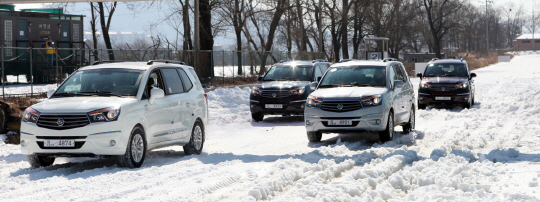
x=388 y=133
x=472 y=100
x=135 y=150
x=468 y=104
x=314 y=136
x=37 y=161
x=421 y=106
x=409 y=127
x=196 y=141
x=257 y=117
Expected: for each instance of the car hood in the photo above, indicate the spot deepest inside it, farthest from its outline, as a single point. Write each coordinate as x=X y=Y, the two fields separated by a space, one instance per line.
x=282 y=84
x=79 y=104
x=346 y=92
x=451 y=80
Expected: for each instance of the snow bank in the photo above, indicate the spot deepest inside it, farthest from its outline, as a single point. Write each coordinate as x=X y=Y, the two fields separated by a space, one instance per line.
x=229 y=105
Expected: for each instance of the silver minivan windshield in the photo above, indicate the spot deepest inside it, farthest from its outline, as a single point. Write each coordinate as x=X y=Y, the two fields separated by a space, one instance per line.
x=102 y=82
x=354 y=76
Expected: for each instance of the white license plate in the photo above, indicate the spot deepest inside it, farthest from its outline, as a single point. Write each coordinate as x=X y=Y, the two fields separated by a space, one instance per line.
x=443 y=98
x=269 y=106
x=340 y=122
x=59 y=143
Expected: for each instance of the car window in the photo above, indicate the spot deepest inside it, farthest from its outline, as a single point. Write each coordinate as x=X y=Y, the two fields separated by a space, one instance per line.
x=194 y=74
x=323 y=67
x=154 y=81
x=317 y=73
x=185 y=80
x=392 y=75
x=399 y=73
x=404 y=72
x=446 y=69
x=118 y=81
x=289 y=72
x=172 y=80
x=355 y=76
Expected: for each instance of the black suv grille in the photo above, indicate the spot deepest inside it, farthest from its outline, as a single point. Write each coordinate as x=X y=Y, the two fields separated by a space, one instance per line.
x=346 y=106
x=70 y=121
x=277 y=93
x=446 y=88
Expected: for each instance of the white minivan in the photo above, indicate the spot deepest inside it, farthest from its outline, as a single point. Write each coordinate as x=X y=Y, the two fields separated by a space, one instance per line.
x=120 y=110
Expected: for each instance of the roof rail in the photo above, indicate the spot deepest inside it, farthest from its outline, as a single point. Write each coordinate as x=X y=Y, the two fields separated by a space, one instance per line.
x=319 y=60
x=106 y=61
x=345 y=60
x=433 y=59
x=282 y=61
x=150 y=62
x=389 y=59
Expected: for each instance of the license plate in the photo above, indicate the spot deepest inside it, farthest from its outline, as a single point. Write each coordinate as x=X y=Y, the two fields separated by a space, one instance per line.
x=59 y=143
x=443 y=98
x=269 y=106
x=340 y=122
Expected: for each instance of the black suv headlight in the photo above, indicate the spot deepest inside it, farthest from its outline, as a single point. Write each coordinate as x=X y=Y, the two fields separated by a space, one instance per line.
x=314 y=102
x=425 y=85
x=297 y=91
x=373 y=100
x=104 y=115
x=461 y=85
x=30 y=115
x=256 y=91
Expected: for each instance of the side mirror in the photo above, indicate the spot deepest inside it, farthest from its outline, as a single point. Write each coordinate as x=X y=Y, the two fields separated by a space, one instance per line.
x=313 y=85
x=319 y=79
x=155 y=94
x=50 y=93
x=399 y=84
x=259 y=78
x=473 y=75
x=419 y=75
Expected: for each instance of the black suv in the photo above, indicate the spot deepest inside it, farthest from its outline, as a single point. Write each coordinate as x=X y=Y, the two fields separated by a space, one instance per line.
x=446 y=82
x=285 y=87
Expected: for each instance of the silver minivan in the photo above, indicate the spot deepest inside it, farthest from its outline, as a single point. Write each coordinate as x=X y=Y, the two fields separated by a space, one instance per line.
x=358 y=96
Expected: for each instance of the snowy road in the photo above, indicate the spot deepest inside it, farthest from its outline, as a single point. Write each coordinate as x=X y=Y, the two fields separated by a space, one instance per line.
x=488 y=153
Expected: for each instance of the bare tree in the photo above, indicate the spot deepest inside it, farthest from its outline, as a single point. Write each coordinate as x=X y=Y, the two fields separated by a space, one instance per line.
x=106 y=24
x=437 y=12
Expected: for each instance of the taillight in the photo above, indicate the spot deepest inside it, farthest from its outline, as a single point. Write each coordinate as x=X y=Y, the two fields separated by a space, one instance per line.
x=206 y=96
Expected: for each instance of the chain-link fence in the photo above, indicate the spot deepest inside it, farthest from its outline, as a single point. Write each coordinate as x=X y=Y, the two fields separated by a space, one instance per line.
x=30 y=71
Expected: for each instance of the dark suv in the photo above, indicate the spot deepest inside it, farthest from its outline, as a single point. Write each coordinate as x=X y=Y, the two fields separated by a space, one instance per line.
x=446 y=82
x=284 y=88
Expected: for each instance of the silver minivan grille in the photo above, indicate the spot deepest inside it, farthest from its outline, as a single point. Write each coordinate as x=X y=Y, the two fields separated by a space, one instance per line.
x=62 y=121
x=341 y=106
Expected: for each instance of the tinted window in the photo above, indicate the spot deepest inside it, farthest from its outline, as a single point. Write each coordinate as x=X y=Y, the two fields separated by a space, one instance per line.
x=355 y=76
x=399 y=73
x=185 y=80
x=154 y=81
x=317 y=73
x=324 y=67
x=289 y=73
x=173 y=82
x=451 y=70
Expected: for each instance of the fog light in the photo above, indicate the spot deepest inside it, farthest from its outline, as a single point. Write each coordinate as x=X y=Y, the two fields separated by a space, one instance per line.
x=113 y=143
x=22 y=142
x=378 y=121
x=307 y=123
x=302 y=106
x=252 y=106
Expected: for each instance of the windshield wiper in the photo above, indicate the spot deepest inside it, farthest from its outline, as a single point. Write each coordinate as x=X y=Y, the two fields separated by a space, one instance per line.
x=102 y=93
x=70 y=94
x=269 y=80
x=449 y=75
x=287 y=79
x=328 y=86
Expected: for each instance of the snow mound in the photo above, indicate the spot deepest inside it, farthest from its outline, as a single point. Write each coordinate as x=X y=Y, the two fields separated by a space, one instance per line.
x=502 y=155
x=228 y=105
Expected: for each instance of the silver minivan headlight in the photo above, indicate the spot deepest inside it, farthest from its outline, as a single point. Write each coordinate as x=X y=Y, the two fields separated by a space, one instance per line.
x=373 y=100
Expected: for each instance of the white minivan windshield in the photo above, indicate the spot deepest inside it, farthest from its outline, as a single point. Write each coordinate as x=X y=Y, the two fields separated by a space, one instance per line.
x=102 y=82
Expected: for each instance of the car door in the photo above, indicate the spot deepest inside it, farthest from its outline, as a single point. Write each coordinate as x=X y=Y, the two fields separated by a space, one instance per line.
x=176 y=106
x=192 y=103
x=408 y=93
x=156 y=114
x=398 y=95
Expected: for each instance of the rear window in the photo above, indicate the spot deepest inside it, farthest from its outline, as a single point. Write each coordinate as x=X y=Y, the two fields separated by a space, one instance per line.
x=185 y=79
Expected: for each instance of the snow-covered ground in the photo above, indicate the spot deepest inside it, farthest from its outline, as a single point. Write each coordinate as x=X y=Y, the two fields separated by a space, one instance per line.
x=490 y=152
x=26 y=88
x=230 y=71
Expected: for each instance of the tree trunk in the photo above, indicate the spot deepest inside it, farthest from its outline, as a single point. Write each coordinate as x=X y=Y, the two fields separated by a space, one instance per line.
x=344 y=34
x=237 y=23
x=93 y=26
x=207 y=40
x=280 y=9
x=105 y=25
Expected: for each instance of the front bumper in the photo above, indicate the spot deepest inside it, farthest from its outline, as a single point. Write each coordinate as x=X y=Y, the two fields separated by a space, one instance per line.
x=290 y=106
x=455 y=98
x=366 y=119
x=92 y=139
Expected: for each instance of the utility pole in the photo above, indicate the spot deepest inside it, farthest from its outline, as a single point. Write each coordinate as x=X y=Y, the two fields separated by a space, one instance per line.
x=534 y=26
x=197 y=36
x=487 y=26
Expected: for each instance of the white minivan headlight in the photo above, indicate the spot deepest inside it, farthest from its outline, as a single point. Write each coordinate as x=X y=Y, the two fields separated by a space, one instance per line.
x=104 y=115
x=314 y=101
x=30 y=115
x=371 y=100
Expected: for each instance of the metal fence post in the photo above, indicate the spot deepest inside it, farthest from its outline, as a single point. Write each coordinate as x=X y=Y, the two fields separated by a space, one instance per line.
x=31 y=74
x=56 y=71
x=80 y=58
x=223 y=63
x=233 y=68
x=3 y=77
